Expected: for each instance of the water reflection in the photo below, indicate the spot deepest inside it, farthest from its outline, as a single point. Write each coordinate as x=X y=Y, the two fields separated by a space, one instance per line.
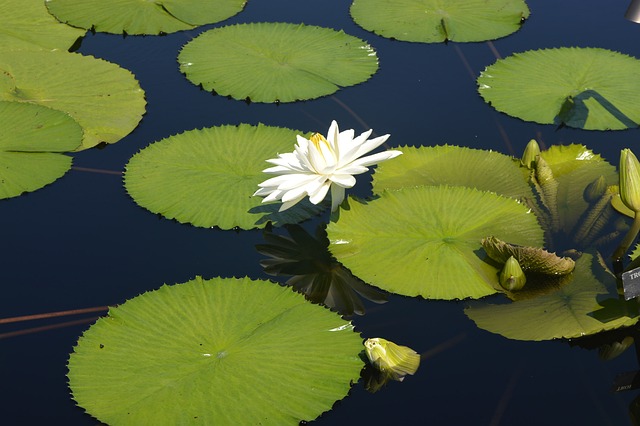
x=313 y=271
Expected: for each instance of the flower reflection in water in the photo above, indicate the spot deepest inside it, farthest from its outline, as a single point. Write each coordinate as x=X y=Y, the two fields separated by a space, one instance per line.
x=314 y=272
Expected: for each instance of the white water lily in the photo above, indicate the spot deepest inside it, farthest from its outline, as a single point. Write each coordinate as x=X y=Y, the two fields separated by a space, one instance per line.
x=320 y=163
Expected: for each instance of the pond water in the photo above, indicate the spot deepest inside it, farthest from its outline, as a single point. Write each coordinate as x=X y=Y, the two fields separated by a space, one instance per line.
x=82 y=242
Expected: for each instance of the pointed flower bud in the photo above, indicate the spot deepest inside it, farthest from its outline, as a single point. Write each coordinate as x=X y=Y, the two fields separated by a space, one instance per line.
x=630 y=180
x=395 y=360
x=511 y=277
x=595 y=190
x=531 y=151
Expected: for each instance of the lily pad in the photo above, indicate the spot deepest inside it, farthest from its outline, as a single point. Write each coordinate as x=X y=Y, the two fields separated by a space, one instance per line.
x=143 y=17
x=276 y=62
x=588 y=304
x=207 y=177
x=425 y=241
x=26 y=24
x=31 y=140
x=103 y=98
x=585 y=88
x=433 y=21
x=210 y=352
x=441 y=165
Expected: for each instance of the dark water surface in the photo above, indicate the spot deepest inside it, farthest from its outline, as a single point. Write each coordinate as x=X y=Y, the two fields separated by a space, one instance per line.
x=82 y=242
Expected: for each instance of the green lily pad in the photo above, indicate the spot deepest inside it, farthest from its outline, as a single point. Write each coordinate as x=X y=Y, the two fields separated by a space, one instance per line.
x=210 y=351
x=103 y=98
x=433 y=21
x=207 y=177
x=143 y=17
x=441 y=165
x=31 y=140
x=586 y=305
x=585 y=88
x=276 y=62
x=26 y=24
x=425 y=241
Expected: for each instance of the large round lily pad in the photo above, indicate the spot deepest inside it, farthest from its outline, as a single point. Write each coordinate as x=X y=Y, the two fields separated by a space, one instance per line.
x=31 y=140
x=425 y=241
x=586 y=88
x=207 y=177
x=143 y=17
x=269 y=62
x=441 y=165
x=105 y=99
x=432 y=21
x=587 y=304
x=26 y=24
x=220 y=351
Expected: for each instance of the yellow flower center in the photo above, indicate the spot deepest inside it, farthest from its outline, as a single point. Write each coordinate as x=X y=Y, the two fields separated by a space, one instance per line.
x=317 y=138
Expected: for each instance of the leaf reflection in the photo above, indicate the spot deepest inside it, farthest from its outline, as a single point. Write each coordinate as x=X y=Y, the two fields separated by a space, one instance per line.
x=313 y=271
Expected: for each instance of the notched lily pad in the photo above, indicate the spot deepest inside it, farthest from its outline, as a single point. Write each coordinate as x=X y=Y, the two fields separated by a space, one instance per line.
x=433 y=21
x=425 y=241
x=587 y=304
x=441 y=165
x=531 y=259
x=585 y=88
x=206 y=177
x=26 y=24
x=105 y=99
x=206 y=351
x=32 y=139
x=142 y=17
x=276 y=62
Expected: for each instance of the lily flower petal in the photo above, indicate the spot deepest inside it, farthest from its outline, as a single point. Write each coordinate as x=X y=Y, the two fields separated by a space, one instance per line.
x=320 y=164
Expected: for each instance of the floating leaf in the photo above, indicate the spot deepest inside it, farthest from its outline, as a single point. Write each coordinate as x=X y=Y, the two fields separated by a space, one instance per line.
x=103 y=98
x=586 y=88
x=209 y=352
x=207 y=177
x=531 y=259
x=142 y=17
x=432 y=21
x=426 y=241
x=26 y=24
x=269 y=62
x=588 y=304
x=31 y=138
x=441 y=165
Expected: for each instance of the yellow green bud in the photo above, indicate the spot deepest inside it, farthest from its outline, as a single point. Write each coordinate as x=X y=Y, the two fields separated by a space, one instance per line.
x=511 y=277
x=395 y=360
x=531 y=151
x=629 y=180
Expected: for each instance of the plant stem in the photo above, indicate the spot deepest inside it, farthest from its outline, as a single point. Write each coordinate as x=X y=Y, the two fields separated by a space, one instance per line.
x=628 y=240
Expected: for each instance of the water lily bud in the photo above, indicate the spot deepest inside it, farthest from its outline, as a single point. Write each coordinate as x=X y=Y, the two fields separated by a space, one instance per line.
x=395 y=360
x=629 y=180
x=595 y=190
x=531 y=151
x=511 y=277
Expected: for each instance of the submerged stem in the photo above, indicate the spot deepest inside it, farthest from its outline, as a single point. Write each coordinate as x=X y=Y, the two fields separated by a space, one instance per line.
x=628 y=240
